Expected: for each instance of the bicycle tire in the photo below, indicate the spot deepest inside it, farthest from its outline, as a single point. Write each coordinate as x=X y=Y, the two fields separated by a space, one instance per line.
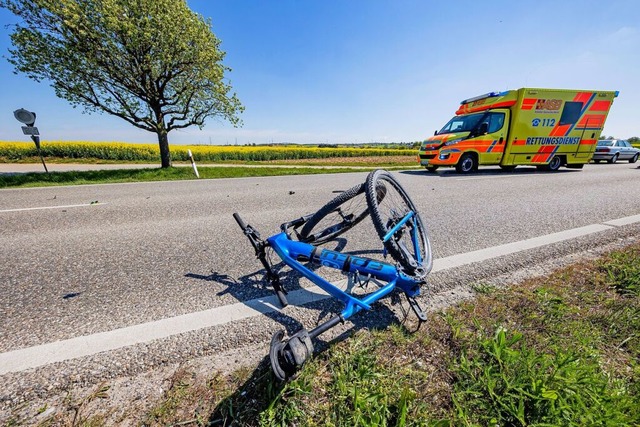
x=349 y=210
x=415 y=258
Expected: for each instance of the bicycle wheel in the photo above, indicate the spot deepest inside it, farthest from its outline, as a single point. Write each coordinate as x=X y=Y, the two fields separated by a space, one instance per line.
x=339 y=215
x=398 y=224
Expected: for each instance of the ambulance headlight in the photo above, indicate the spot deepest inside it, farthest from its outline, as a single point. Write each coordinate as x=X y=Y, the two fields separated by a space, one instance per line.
x=453 y=141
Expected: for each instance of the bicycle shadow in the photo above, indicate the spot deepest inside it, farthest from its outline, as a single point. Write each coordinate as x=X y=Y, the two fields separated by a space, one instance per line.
x=261 y=390
x=254 y=291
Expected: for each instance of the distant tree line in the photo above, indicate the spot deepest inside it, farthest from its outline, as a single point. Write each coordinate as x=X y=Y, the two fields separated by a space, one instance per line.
x=632 y=140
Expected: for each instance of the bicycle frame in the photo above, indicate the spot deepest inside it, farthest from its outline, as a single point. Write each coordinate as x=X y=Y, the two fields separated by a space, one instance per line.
x=291 y=252
x=289 y=355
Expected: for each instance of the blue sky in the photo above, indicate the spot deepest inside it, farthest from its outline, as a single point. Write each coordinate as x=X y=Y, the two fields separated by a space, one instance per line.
x=353 y=71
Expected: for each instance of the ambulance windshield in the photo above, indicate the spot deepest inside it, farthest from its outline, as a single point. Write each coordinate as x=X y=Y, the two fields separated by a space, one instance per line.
x=462 y=123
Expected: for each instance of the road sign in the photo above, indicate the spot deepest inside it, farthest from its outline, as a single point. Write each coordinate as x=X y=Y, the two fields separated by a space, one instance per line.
x=30 y=130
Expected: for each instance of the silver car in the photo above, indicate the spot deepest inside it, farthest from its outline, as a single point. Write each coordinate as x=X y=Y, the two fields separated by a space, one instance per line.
x=613 y=150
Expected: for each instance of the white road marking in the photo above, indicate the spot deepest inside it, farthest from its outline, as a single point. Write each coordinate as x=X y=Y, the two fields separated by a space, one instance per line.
x=59 y=351
x=510 y=248
x=623 y=221
x=51 y=207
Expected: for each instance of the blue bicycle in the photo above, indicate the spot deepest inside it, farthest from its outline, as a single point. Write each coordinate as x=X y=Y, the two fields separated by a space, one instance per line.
x=404 y=237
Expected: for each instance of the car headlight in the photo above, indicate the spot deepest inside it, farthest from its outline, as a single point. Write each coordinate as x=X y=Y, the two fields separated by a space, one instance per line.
x=453 y=141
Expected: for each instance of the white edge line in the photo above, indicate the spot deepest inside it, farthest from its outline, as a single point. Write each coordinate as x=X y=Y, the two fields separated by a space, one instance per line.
x=52 y=207
x=510 y=248
x=59 y=351
x=623 y=221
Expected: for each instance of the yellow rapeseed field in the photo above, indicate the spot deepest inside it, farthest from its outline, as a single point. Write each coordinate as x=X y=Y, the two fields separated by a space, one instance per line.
x=16 y=151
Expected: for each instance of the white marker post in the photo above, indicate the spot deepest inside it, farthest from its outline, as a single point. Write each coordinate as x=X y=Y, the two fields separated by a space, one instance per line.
x=193 y=164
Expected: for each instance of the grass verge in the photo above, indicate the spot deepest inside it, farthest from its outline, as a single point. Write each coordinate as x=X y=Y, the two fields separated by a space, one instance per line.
x=155 y=174
x=561 y=350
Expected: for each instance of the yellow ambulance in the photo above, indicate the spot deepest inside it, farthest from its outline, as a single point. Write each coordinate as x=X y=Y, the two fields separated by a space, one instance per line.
x=547 y=128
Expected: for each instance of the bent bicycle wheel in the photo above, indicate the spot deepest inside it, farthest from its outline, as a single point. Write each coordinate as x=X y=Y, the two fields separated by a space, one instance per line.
x=398 y=224
x=336 y=217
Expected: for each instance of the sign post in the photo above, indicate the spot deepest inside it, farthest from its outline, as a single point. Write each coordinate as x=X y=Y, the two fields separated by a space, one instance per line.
x=29 y=119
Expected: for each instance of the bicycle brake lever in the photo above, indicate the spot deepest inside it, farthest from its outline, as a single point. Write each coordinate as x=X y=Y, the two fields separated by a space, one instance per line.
x=250 y=231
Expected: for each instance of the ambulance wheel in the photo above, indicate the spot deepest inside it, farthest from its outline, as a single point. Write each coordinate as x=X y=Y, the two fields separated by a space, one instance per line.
x=554 y=164
x=468 y=163
x=613 y=159
x=634 y=158
x=431 y=168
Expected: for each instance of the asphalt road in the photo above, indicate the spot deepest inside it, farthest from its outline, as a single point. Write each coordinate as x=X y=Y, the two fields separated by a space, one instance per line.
x=82 y=260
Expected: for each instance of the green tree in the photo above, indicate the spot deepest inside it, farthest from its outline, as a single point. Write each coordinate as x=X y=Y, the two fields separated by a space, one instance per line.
x=154 y=63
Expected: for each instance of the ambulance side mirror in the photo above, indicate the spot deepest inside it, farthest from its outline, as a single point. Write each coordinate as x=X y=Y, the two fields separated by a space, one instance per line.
x=435 y=132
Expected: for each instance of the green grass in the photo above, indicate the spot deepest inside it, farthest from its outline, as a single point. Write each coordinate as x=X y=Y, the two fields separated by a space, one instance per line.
x=154 y=174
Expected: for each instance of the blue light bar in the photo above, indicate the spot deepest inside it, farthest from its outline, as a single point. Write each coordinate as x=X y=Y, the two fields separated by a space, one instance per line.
x=486 y=95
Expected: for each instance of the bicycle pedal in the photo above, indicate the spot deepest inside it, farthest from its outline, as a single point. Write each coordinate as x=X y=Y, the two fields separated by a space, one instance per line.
x=417 y=309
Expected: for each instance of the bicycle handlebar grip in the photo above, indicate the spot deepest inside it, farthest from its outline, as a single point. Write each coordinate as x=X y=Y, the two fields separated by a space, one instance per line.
x=239 y=220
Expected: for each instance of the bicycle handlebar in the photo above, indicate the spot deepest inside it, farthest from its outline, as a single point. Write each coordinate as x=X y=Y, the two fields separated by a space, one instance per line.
x=260 y=245
x=251 y=233
x=239 y=220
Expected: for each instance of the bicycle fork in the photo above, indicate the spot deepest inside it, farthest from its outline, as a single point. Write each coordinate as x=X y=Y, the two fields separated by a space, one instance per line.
x=260 y=246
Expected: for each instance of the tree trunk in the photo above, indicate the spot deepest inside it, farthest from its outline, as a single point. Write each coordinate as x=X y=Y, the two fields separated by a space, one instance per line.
x=165 y=155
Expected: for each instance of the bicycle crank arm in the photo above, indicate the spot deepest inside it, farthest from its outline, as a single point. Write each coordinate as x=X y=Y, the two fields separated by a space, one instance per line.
x=417 y=309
